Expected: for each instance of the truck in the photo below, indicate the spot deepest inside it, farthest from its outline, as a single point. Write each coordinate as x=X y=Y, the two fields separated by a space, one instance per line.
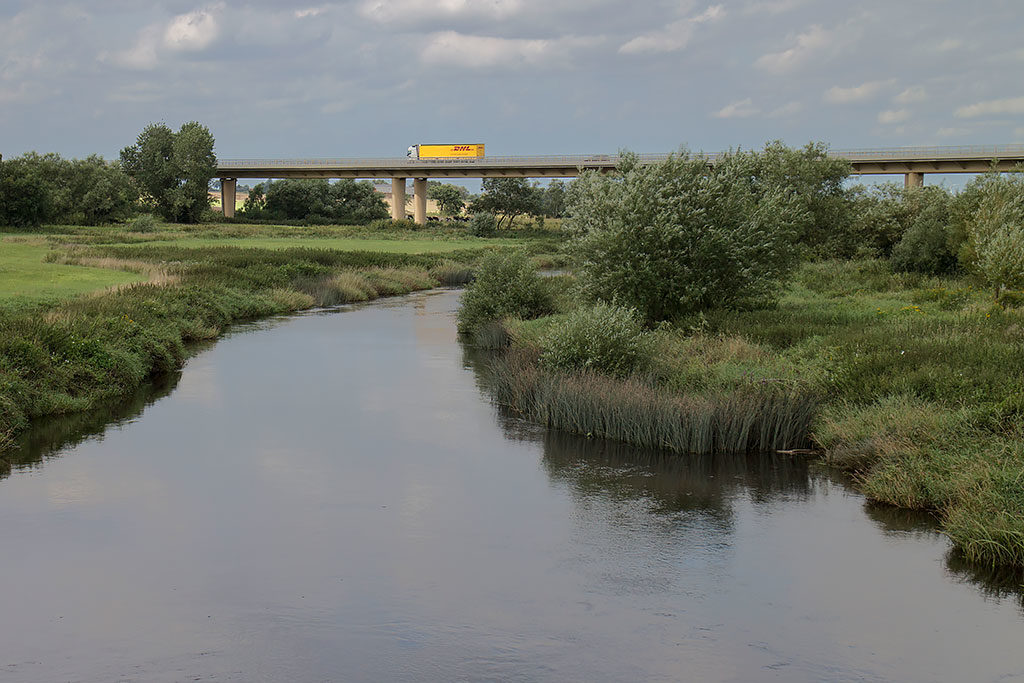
x=471 y=151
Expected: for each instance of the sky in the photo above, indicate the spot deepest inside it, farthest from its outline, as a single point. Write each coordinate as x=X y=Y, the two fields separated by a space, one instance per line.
x=368 y=78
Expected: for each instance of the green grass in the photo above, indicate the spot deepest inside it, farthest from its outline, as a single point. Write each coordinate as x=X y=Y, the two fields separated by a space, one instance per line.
x=25 y=275
x=396 y=246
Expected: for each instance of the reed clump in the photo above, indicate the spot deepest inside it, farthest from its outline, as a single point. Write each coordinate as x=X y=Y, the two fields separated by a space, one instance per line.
x=635 y=411
x=452 y=273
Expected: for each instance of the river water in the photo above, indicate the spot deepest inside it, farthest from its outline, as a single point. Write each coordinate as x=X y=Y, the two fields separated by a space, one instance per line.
x=331 y=497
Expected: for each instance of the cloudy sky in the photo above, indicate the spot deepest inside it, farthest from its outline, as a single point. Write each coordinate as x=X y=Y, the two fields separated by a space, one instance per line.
x=370 y=77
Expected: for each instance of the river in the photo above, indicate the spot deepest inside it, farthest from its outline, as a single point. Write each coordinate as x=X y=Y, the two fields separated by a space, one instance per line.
x=331 y=496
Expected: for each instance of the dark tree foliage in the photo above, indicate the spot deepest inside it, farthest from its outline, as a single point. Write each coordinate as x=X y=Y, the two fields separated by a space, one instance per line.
x=507 y=198
x=450 y=198
x=319 y=200
x=554 y=199
x=26 y=196
x=255 y=201
x=173 y=169
x=45 y=188
x=927 y=244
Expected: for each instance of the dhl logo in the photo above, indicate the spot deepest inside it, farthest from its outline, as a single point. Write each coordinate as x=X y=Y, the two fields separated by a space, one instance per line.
x=462 y=148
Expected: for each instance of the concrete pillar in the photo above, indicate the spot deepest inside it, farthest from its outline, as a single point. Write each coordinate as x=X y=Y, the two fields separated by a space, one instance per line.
x=913 y=179
x=227 y=196
x=398 y=199
x=419 y=200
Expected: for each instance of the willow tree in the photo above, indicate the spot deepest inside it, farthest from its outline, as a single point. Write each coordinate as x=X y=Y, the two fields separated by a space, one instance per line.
x=679 y=236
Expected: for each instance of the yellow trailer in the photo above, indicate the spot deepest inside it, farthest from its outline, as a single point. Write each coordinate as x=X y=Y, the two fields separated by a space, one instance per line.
x=473 y=151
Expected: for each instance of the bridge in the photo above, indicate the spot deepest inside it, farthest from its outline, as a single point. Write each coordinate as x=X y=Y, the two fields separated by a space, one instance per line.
x=912 y=162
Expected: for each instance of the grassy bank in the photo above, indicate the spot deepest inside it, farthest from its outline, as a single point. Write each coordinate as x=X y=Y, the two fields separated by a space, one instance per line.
x=911 y=383
x=87 y=315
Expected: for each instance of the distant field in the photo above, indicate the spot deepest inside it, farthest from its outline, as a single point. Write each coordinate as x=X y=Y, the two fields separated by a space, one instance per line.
x=24 y=275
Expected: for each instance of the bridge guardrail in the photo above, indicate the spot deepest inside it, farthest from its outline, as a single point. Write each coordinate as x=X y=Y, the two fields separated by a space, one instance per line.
x=971 y=152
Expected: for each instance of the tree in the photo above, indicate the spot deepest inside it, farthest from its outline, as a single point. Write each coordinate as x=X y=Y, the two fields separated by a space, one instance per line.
x=554 y=199
x=39 y=188
x=816 y=181
x=26 y=196
x=344 y=200
x=95 y=192
x=173 y=169
x=507 y=198
x=448 y=197
x=927 y=245
x=255 y=201
x=677 y=237
x=994 y=230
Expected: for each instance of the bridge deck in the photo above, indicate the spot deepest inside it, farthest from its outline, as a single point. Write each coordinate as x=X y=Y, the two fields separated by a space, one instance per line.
x=972 y=159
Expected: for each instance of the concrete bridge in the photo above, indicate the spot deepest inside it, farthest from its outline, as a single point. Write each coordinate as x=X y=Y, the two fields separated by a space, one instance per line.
x=912 y=162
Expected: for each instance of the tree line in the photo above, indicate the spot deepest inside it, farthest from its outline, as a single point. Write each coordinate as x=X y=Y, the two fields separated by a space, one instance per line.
x=164 y=172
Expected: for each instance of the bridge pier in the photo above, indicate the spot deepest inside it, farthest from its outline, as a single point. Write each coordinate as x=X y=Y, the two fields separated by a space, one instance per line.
x=913 y=179
x=398 y=199
x=419 y=200
x=227 y=196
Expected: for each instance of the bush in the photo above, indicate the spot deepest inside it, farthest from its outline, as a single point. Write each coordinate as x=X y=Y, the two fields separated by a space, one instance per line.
x=676 y=237
x=143 y=223
x=606 y=338
x=483 y=224
x=994 y=231
x=506 y=285
x=928 y=245
x=388 y=224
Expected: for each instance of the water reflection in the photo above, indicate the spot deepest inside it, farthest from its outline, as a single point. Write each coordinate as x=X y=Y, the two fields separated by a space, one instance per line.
x=708 y=484
x=51 y=436
x=711 y=485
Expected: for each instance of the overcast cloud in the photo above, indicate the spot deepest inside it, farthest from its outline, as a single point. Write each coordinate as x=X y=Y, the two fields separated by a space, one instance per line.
x=370 y=77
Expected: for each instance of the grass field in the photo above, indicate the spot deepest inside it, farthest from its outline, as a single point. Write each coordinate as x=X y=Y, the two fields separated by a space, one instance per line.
x=393 y=246
x=31 y=271
x=24 y=275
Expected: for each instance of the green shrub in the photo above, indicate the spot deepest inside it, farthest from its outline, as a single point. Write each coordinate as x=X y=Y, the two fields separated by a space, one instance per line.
x=925 y=249
x=506 y=285
x=928 y=244
x=606 y=338
x=676 y=237
x=992 y=218
x=452 y=274
x=144 y=223
x=483 y=224
x=388 y=224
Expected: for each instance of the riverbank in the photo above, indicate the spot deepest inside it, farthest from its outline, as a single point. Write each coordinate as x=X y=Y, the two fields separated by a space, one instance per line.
x=909 y=383
x=118 y=308
x=912 y=384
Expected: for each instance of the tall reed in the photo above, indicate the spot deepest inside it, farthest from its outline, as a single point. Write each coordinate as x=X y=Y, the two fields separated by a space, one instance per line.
x=761 y=417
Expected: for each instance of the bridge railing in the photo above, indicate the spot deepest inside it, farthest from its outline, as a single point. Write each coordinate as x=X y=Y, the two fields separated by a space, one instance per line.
x=583 y=160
